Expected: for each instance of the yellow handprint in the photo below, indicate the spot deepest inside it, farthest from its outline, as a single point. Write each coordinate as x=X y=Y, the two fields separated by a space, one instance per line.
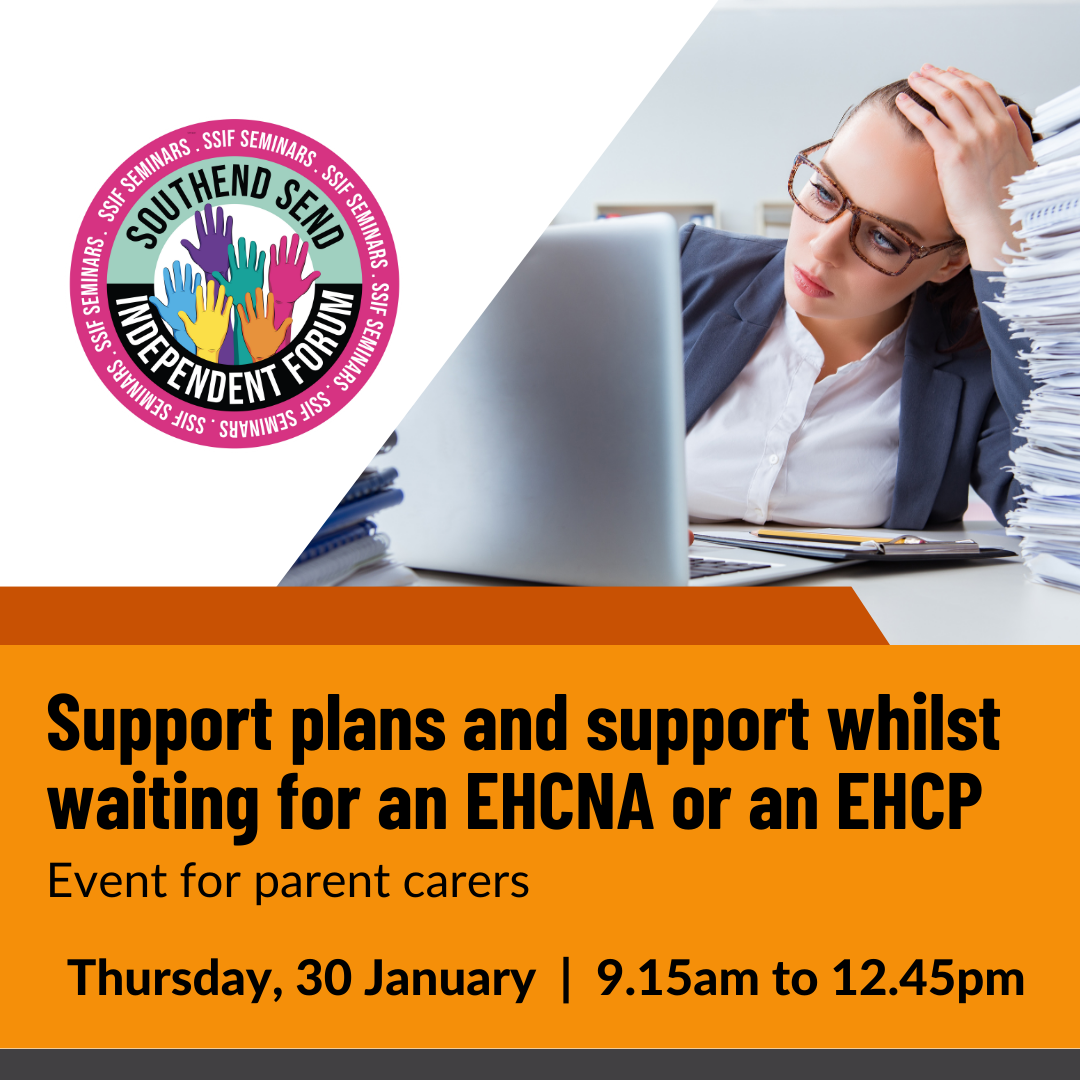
x=211 y=322
x=262 y=338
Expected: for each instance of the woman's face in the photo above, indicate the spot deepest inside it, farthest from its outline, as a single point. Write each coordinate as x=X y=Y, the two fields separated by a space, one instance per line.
x=888 y=172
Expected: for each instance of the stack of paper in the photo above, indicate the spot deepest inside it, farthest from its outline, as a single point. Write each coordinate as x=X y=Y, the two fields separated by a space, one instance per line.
x=1042 y=302
x=348 y=549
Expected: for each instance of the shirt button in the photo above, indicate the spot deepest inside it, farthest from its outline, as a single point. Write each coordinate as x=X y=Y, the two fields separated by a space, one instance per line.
x=773 y=459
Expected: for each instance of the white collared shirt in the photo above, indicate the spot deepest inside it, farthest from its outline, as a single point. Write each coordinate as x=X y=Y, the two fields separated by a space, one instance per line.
x=776 y=446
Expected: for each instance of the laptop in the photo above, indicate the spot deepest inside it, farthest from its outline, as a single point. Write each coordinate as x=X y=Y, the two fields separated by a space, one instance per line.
x=549 y=447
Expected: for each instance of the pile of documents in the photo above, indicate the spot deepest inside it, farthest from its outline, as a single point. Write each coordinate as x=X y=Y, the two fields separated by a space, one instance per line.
x=1042 y=302
x=349 y=549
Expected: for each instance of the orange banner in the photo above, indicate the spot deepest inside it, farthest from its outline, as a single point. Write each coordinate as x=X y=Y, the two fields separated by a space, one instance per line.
x=521 y=616
x=329 y=845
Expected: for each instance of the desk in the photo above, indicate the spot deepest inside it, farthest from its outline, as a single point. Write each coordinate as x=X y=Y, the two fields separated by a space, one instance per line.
x=977 y=603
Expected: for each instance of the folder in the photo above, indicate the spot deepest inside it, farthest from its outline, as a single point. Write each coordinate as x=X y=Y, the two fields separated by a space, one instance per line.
x=845 y=547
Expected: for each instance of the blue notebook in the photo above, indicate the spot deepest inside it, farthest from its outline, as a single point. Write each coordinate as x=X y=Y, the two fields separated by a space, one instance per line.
x=369 y=484
x=319 y=547
x=348 y=514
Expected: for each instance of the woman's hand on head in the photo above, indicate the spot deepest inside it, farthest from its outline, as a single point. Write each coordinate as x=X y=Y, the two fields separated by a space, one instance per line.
x=979 y=145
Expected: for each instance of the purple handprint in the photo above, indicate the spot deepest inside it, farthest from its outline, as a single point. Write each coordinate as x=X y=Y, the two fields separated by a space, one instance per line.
x=214 y=240
x=212 y=255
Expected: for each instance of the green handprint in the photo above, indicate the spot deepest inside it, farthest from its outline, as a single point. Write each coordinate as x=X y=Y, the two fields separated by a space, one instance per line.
x=245 y=276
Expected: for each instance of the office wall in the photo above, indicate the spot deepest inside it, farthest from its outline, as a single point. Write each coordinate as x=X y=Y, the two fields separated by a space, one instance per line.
x=752 y=87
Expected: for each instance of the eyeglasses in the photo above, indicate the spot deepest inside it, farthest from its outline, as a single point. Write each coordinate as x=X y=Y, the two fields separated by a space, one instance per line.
x=874 y=240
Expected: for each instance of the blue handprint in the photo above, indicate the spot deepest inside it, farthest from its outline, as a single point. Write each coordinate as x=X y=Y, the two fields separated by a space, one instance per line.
x=179 y=296
x=245 y=276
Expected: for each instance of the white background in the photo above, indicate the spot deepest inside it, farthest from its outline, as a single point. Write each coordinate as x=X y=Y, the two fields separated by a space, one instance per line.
x=472 y=124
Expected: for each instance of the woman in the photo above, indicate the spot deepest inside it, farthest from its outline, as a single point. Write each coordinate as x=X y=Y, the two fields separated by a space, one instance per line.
x=842 y=377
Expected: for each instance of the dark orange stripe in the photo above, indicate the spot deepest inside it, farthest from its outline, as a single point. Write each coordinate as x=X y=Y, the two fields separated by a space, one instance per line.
x=435 y=616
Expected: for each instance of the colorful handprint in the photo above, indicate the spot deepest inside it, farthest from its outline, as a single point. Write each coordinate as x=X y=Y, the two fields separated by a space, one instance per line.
x=286 y=274
x=212 y=254
x=245 y=276
x=179 y=296
x=214 y=240
x=263 y=339
x=211 y=322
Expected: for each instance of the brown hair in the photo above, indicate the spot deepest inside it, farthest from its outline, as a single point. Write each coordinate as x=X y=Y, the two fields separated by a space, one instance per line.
x=957 y=295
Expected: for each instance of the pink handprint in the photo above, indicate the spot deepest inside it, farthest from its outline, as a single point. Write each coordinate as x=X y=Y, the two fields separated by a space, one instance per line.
x=286 y=280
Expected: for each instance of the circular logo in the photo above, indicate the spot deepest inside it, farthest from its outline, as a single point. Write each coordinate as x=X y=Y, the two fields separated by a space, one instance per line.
x=234 y=283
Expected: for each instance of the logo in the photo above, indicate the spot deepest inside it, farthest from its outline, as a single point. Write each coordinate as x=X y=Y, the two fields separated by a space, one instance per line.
x=234 y=283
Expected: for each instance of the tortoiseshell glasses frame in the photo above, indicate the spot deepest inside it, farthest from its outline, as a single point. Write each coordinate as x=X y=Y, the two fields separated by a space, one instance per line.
x=915 y=251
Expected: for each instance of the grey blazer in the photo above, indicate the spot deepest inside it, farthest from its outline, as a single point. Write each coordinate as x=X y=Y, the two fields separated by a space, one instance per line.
x=957 y=408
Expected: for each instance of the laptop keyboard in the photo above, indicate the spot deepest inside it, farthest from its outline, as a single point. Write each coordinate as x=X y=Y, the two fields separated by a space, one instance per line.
x=708 y=567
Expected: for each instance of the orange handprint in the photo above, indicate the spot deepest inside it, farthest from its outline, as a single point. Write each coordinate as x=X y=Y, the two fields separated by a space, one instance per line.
x=262 y=338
